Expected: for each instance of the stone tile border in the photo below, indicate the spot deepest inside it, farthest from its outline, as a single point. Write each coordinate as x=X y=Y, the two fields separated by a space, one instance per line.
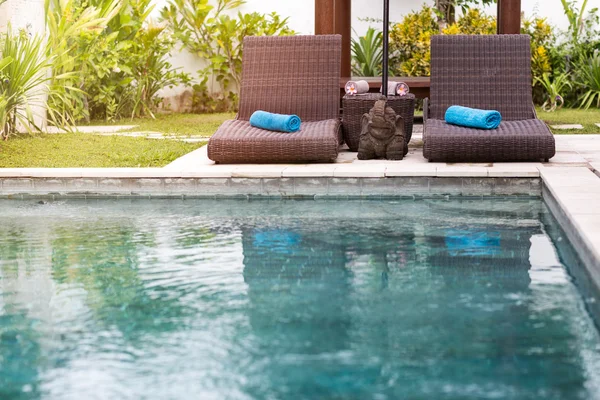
x=128 y=185
x=353 y=170
x=573 y=197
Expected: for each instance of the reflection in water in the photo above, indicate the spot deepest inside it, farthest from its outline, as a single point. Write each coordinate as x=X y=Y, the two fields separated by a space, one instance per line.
x=254 y=300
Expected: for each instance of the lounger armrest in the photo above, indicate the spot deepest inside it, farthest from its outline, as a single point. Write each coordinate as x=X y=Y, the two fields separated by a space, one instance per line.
x=425 y=109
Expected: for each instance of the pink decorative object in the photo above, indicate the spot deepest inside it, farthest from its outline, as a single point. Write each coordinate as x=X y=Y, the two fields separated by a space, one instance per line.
x=402 y=89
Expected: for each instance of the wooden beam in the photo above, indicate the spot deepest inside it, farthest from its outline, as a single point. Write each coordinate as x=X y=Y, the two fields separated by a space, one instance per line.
x=335 y=17
x=343 y=26
x=324 y=17
x=509 y=16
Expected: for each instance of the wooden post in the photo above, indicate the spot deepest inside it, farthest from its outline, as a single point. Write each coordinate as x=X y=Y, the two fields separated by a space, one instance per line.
x=335 y=17
x=509 y=16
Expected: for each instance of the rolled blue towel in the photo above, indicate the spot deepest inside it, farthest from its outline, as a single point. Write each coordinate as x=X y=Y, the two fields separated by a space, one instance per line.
x=473 y=118
x=275 y=122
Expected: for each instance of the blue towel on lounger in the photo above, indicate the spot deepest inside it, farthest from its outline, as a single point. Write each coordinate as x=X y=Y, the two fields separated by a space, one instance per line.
x=275 y=122
x=473 y=118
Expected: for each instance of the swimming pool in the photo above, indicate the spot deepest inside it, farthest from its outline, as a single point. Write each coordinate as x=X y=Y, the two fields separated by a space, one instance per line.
x=232 y=299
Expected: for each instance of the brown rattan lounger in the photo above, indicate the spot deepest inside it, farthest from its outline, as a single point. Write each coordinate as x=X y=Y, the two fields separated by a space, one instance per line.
x=491 y=72
x=287 y=75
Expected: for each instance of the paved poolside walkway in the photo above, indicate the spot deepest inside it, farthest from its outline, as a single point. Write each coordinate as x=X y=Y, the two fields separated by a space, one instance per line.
x=571 y=151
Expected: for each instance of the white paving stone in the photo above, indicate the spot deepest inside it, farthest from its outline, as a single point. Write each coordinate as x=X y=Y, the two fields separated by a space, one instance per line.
x=514 y=170
x=192 y=160
x=208 y=171
x=461 y=171
x=398 y=170
x=567 y=126
x=93 y=129
x=258 y=171
x=359 y=171
x=310 y=171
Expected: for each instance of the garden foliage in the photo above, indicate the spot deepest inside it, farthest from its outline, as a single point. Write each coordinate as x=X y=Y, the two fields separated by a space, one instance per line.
x=23 y=81
x=411 y=38
x=215 y=34
x=367 y=53
x=565 y=65
x=116 y=55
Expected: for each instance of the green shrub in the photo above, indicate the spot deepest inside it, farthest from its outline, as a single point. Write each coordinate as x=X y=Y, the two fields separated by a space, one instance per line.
x=212 y=34
x=589 y=80
x=544 y=55
x=23 y=81
x=367 y=53
x=410 y=39
x=473 y=22
x=554 y=90
x=115 y=56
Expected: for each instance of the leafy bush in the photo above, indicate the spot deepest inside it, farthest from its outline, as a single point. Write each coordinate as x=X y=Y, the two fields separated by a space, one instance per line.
x=23 y=81
x=115 y=55
x=589 y=79
x=367 y=53
x=545 y=56
x=212 y=34
x=410 y=39
x=409 y=43
x=473 y=22
x=554 y=90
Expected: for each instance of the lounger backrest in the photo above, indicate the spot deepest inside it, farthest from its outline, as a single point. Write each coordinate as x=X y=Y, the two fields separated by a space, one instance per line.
x=491 y=72
x=291 y=75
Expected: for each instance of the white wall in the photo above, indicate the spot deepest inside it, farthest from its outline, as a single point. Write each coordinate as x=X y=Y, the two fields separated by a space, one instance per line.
x=28 y=15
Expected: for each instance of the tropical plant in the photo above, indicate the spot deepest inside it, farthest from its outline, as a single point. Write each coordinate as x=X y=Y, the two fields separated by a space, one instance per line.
x=117 y=57
x=367 y=53
x=151 y=71
x=589 y=79
x=73 y=29
x=23 y=82
x=212 y=34
x=554 y=90
x=446 y=9
x=473 y=22
x=410 y=41
x=579 y=24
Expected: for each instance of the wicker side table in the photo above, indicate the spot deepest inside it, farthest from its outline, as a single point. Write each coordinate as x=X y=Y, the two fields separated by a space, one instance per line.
x=355 y=106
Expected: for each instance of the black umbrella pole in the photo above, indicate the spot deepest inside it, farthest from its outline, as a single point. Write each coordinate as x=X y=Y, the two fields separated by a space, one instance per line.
x=386 y=25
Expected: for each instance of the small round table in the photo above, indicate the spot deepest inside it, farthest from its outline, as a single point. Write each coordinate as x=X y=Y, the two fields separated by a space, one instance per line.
x=354 y=106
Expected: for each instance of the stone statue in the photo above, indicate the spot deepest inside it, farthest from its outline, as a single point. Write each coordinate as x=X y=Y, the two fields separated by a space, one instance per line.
x=382 y=134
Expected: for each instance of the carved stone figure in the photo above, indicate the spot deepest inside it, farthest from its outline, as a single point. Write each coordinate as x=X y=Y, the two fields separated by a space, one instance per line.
x=382 y=134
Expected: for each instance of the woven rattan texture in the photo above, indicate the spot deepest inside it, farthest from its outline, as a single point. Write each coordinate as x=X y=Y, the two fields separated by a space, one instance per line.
x=355 y=106
x=287 y=75
x=291 y=75
x=525 y=140
x=491 y=72
x=236 y=141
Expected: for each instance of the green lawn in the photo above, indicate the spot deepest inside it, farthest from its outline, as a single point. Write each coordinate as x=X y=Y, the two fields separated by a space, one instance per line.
x=74 y=150
x=176 y=124
x=587 y=118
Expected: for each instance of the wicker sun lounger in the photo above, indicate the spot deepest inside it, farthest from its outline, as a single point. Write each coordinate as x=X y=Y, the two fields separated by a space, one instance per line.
x=287 y=75
x=489 y=72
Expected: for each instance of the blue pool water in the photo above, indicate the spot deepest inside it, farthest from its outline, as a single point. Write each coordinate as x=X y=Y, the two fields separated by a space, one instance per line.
x=427 y=299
